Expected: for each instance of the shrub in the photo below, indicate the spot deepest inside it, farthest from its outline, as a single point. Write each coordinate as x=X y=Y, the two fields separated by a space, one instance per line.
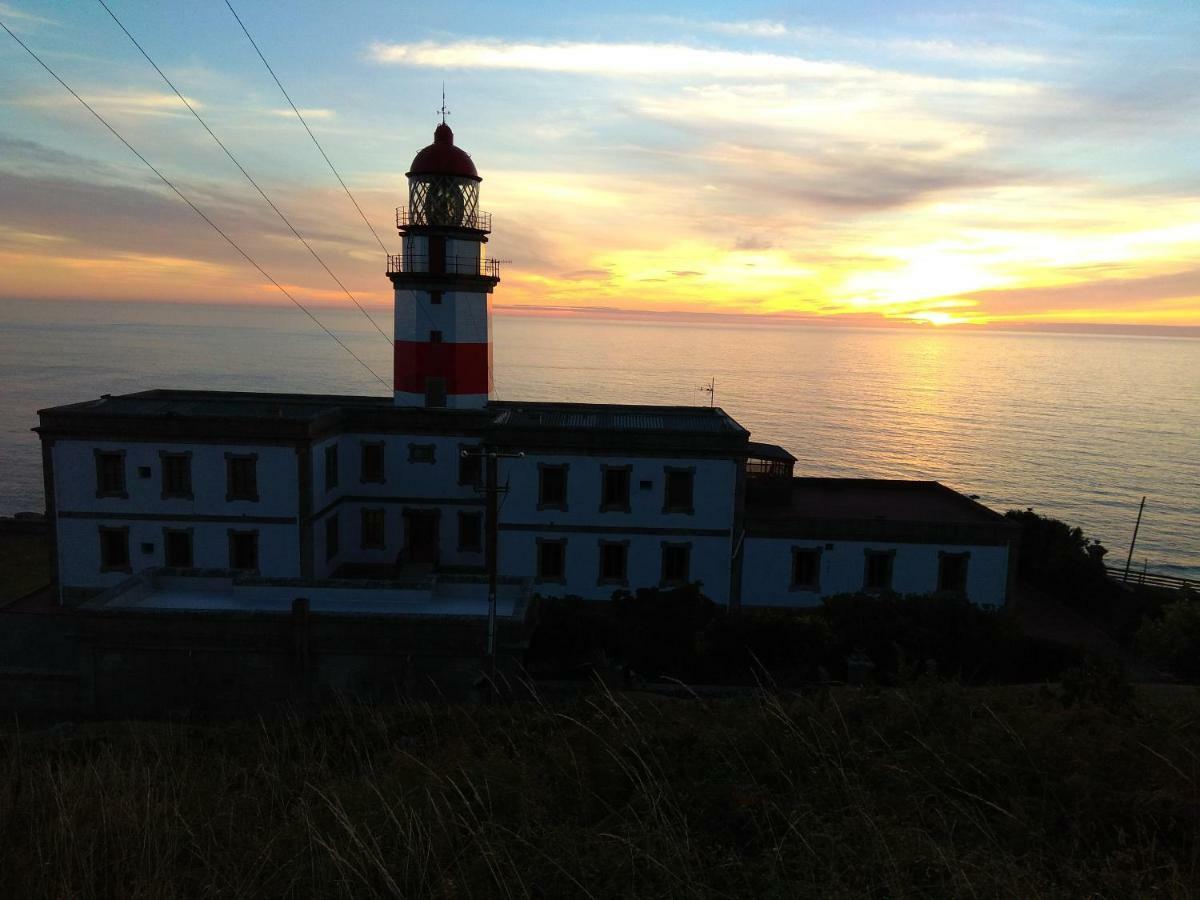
x=1173 y=640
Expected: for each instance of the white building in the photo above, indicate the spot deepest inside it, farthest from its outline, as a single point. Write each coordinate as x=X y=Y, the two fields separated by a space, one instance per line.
x=596 y=498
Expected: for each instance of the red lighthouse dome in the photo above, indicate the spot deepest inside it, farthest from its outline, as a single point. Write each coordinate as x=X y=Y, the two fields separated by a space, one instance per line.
x=443 y=158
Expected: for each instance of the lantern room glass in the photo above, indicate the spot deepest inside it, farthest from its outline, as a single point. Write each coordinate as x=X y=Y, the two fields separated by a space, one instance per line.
x=443 y=200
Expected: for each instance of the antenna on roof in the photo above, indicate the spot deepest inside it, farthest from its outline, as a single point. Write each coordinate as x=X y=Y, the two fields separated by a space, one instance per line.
x=711 y=390
x=444 y=112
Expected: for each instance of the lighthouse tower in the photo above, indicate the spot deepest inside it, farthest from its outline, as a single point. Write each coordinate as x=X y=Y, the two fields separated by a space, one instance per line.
x=443 y=282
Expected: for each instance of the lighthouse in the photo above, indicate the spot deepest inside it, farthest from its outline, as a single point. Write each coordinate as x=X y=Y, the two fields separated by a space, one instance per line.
x=443 y=282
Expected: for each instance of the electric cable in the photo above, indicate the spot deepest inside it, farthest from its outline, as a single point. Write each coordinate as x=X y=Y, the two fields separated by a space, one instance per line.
x=242 y=169
x=193 y=206
x=317 y=143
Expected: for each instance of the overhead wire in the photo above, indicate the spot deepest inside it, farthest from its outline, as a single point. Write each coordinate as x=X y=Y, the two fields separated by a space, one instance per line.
x=163 y=178
x=296 y=110
x=242 y=169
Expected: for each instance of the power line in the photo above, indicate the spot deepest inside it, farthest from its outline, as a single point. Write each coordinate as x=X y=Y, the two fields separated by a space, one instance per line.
x=241 y=169
x=246 y=32
x=193 y=206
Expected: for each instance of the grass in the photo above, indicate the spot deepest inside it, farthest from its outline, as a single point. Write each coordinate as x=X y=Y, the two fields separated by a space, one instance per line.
x=927 y=790
x=24 y=564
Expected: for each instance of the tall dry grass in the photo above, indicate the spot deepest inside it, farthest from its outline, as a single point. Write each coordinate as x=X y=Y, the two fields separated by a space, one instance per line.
x=932 y=790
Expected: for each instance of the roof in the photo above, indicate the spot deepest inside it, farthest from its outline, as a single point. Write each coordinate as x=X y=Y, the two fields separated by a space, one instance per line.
x=443 y=158
x=871 y=508
x=758 y=450
x=296 y=417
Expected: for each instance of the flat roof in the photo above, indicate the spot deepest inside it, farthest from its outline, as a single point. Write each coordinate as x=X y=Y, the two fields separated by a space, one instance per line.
x=759 y=450
x=873 y=507
x=246 y=414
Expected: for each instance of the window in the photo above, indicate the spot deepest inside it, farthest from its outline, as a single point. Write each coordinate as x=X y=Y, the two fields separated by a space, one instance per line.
x=552 y=486
x=676 y=563
x=372 y=529
x=646 y=484
x=243 y=550
x=806 y=569
x=470 y=531
x=613 y=558
x=110 y=474
x=143 y=471
x=147 y=547
x=331 y=467
x=114 y=550
x=176 y=475
x=952 y=572
x=435 y=297
x=551 y=560
x=678 y=490
x=177 y=547
x=878 y=576
x=332 y=534
x=614 y=488
x=422 y=453
x=241 y=476
x=435 y=337
x=372 y=461
x=470 y=465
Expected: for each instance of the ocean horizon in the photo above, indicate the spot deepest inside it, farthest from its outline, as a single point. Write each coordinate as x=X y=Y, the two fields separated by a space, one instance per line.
x=1076 y=425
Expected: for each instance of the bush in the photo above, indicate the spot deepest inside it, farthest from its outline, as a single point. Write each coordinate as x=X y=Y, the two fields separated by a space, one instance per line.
x=1173 y=640
x=681 y=634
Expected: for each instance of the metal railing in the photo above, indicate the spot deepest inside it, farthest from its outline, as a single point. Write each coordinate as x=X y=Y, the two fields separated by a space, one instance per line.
x=1141 y=578
x=415 y=263
x=406 y=216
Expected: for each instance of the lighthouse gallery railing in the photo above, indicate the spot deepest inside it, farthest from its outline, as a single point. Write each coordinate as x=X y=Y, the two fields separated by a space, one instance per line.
x=445 y=218
x=417 y=263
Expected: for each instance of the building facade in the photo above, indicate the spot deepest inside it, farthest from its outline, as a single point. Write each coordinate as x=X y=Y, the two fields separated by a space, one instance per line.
x=586 y=499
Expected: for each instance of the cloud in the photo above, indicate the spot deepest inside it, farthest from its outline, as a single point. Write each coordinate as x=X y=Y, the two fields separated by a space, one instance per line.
x=752 y=242
x=126 y=102
x=15 y=18
x=307 y=113
x=673 y=60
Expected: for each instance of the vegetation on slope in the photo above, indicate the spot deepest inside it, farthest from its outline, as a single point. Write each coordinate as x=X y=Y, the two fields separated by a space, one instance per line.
x=930 y=790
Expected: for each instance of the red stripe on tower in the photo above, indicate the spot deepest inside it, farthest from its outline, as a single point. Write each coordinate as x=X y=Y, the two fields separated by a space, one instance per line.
x=463 y=366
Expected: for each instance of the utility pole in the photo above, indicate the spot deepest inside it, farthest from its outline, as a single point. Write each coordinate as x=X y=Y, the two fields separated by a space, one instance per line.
x=492 y=490
x=1137 y=525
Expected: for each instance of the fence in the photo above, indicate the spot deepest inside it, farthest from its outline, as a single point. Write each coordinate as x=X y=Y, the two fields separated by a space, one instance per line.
x=1153 y=579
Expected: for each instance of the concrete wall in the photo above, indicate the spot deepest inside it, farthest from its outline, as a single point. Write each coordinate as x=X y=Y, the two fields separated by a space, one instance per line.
x=122 y=663
x=145 y=511
x=645 y=526
x=767 y=570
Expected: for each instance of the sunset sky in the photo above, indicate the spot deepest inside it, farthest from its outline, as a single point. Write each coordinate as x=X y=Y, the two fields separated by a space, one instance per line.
x=992 y=162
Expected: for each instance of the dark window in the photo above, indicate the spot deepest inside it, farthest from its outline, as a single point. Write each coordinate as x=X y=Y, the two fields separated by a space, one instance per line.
x=613 y=557
x=470 y=465
x=435 y=337
x=879 y=570
x=143 y=471
x=676 y=563
x=114 y=550
x=646 y=484
x=422 y=453
x=177 y=475
x=552 y=487
x=806 y=568
x=243 y=550
x=332 y=533
x=437 y=254
x=678 y=491
x=372 y=461
x=147 y=547
x=331 y=467
x=110 y=474
x=551 y=560
x=615 y=489
x=952 y=572
x=177 y=548
x=241 y=477
x=435 y=392
x=372 y=529
x=470 y=531
x=435 y=297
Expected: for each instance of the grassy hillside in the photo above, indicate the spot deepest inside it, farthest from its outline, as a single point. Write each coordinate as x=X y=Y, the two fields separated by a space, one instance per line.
x=24 y=564
x=927 y=790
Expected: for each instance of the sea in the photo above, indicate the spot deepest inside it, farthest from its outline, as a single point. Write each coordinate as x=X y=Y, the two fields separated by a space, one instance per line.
x=1075 y=426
